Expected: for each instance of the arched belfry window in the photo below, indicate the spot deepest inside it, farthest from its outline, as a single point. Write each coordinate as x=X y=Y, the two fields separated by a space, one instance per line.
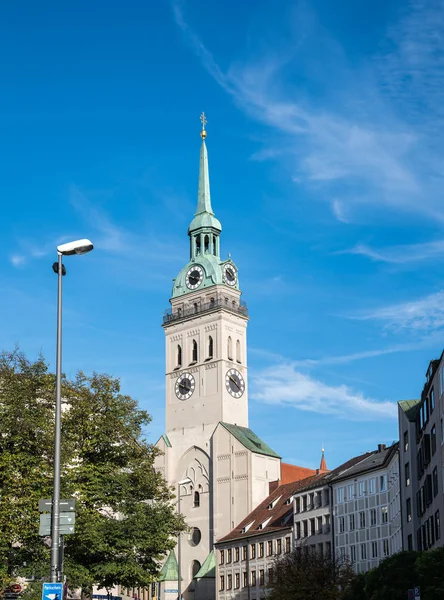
x=196 y=499
x=179 y=355
x=197 y=238
x=210 y=347
x=194 y=353
x=214 y=246
x=207 y=243
x=230 y=348
x=238 y=351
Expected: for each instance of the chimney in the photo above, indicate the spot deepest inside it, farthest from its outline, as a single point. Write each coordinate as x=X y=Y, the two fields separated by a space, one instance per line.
x=381 y=447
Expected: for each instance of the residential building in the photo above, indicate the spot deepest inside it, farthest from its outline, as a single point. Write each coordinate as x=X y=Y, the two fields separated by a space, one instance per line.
x=421 y=432
x=367 y=509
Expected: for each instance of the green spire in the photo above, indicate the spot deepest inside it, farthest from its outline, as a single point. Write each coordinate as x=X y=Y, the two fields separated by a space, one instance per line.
x=204 y=215
x=208 y=569
x=170 y=571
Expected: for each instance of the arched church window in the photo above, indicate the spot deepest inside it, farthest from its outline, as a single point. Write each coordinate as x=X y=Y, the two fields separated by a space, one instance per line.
x=197 y=238
x=212 y=301
x=214 y=246
x=179 y=355
x=230 y=348
x=238 y=351
x=210 y=347
x=195 y=568
x=194 y=353
x=206 y=243
x=234 y=303
x=196 y=499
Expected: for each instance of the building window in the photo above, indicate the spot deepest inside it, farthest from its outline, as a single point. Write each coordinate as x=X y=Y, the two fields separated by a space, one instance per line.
x=435 y=482
x=253 y=578
x=371 y=485
x=319 y=525
x=206 y=243
x=363 y=552
x=194 y=353
x=253 y=551
x=351 y=522
x=383 y=483
x=261 y=577
x=230 y=348
x=229 y=582
x=362 y=520
x=179 y=355
x=195 y=537
x=407 y=473
x=298 y=530
x=384 y=514
x=374 y=549
x=244 y=579
x=261 y=549
x=409 y=542
x=298 y=505
x=278 y=546
x=385 y=547
x=361 y=488
x=222 y=557
x=196 y=499
x=287 y=544
x=432 y=400
x=270 y=545
x=437 y=526
x=350 y=491
x=341 y=526
x=238 y=351
x=222 y=583
x=236 y=581
x=229 y=555
x=195 y=568
x=305 y=528
x=210 y=347
x=433 y=439
x=406 y=441
x=304 y=502
x=270 y=575
x=373 y=517
x=442 y=425
x=408 y=509
x=312 y=527
x=236 y=554
x=340 y=495
x=353 y=554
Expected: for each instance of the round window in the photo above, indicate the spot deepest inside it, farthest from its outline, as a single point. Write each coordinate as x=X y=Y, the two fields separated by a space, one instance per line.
x=195 y=536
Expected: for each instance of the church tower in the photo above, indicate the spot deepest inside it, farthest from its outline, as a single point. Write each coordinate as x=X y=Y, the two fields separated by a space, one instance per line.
x=220 y=470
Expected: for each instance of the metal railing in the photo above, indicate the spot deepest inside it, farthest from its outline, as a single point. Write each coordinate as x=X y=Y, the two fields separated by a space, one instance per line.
x=200 y=308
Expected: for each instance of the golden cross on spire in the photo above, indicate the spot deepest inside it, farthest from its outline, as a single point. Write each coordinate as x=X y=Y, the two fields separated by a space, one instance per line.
x=203 y=120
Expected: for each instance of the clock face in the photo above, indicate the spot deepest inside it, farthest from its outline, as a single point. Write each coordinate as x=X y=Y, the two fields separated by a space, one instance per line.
x=194 y=277
x=185 y=385
x=230 y=274
x=234 y=383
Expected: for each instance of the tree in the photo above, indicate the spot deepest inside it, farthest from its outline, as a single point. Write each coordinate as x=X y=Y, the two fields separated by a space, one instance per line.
x=305 y=574
x=430 y=569
x=125 y=518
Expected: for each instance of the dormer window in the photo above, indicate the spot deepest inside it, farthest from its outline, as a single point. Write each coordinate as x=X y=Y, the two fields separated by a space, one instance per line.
x=265 y=523
x=273 y=504
x=247 y=527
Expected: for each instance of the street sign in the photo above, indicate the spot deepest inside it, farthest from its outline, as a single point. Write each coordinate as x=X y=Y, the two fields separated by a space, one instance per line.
x=66 y=523
x=52 y=591
x=417 y=591
x=65 y=504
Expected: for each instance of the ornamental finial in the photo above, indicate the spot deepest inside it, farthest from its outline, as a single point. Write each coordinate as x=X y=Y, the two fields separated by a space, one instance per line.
x=203 y=120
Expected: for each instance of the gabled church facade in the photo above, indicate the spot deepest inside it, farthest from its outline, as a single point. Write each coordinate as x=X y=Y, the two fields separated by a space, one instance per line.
x=219 y=468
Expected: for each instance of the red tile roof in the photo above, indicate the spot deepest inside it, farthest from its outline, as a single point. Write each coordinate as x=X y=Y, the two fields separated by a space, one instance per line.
x=290 y=473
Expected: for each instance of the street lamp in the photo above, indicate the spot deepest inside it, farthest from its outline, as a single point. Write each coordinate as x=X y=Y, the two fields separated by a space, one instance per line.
x=77 y=247
x=179 y=576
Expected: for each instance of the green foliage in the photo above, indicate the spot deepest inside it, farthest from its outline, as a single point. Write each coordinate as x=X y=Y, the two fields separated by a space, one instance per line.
x=430 y=569
x=306 y=575
x=107 y=466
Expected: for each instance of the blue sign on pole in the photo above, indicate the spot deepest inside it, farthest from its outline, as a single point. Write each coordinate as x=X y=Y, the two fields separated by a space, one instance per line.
x=52 y=591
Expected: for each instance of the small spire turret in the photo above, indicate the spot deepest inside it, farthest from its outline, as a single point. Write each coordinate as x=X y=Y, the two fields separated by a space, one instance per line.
x=323 y=465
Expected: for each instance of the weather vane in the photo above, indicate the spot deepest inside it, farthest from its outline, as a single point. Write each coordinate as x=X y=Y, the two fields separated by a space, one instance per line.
x=203 y=120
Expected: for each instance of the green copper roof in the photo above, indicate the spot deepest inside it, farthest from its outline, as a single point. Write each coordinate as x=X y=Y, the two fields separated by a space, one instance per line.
x=169 y=571
x=166 y=440
x=410 y=407
x=208 y=569
x=250 y=440
x=204 y=216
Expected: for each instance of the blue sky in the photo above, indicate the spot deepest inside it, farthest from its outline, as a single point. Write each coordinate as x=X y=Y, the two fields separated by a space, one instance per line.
x=325 y=129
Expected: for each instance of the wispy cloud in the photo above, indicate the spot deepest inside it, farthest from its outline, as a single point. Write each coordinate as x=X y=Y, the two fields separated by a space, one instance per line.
x=377 y=157
x=401 y=254
x=423 y=315
x=285 y=385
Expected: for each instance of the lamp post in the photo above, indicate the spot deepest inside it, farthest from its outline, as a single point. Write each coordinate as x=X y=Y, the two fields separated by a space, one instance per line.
x=179 y=541
x=77 y=247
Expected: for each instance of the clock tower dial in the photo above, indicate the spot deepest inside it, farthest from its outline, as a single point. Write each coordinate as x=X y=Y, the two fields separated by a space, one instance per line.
x=230 y=274
x=194 y=277
x=185 y=385
x=234 y=382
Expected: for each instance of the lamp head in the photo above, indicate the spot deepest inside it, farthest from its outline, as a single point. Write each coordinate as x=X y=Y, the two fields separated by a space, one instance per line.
x=77 y=247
